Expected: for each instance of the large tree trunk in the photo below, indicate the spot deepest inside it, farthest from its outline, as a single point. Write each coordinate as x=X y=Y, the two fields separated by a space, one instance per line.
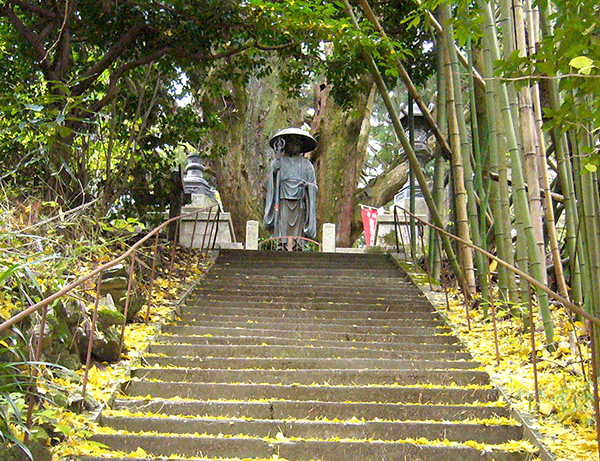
x=343 y=137
x=239 y=150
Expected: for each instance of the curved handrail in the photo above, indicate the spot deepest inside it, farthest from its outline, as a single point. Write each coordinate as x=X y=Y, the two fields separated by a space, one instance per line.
x=46 y=301
x=568 y=304
x=43 y=304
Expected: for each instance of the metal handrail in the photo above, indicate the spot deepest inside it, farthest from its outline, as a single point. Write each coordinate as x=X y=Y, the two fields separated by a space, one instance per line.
x=593 y=321
x=97 y=273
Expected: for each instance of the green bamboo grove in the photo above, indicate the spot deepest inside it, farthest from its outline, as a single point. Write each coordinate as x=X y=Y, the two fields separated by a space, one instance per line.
x=518 y=105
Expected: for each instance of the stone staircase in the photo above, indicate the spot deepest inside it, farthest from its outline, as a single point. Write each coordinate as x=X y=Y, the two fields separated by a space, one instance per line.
x=309 y=356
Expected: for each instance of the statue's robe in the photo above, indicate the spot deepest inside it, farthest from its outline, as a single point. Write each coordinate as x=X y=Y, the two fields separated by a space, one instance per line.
x=294 y=187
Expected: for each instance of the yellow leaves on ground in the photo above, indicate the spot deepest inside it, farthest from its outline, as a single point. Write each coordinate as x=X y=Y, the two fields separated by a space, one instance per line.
x=102 y=379
x=565 y=414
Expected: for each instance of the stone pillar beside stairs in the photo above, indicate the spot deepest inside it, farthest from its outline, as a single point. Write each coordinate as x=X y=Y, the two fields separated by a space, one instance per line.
x=252 y=235
x=328 y=242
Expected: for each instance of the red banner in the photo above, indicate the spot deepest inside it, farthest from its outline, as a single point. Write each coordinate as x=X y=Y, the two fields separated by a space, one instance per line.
x=369 y=217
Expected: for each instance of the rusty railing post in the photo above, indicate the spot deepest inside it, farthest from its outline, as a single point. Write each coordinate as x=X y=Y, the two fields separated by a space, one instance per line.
x=493 y=310
x=401 y=235
x=396 y=229
x=439 y=248
x=217 y=219
x=34 y=374
x=410 y=239
x=595 y=382
x=194 y=229
x=153 y=270
x=88 y=358
x=212 y=228
x=173 y=248
x=425 y=260
x=533 y=349
x=127 y=301
x=205 y=231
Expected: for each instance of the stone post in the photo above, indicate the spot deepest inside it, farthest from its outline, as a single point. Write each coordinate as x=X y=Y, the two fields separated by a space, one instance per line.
x=328 y=245
x=252 y=235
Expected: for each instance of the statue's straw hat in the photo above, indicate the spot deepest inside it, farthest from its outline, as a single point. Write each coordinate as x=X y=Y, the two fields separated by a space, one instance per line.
x=306 y=140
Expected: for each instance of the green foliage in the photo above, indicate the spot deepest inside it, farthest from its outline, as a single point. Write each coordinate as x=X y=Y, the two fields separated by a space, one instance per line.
x=15 y=385
x=571 y=55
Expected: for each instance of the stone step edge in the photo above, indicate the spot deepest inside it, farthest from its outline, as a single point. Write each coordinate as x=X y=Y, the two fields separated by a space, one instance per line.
x=358 y=360
x=282 y=440
x=125 y=413
x=165 y=338
x=393 y=431
x=306 y=370
x=166 y=400
x=468 y=387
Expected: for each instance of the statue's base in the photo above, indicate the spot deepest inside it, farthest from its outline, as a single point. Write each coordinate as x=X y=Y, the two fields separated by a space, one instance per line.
x=205 y=229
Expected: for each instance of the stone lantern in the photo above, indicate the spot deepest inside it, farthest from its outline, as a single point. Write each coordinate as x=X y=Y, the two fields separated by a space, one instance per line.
x=195 y=185
x=205 y=225
x=422 y=134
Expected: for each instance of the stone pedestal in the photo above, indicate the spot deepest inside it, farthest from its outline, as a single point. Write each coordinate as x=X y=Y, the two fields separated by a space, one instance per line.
x=385 y=232
x=206 y=228
x=328 y=244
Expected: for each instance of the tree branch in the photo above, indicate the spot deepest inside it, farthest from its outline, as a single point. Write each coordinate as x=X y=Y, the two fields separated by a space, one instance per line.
x=224 y=54
x=33 y=8
x=90 y=75
x=32 y=39
x=112 y=90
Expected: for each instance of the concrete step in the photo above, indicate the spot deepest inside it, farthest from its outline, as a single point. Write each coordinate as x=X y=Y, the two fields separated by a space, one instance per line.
x=411 y=352
x=323 y=286
x=308 y=280
x=317 y=376
x=309 y=429
x=341 y=301
x=210 y=447
x=312 y=410
x=233 y=363
x=247 y=317
x=316 y=339
x=325 y=393
x=366 y=296
x=344 y=332
x=359 y=272
x=304 y=310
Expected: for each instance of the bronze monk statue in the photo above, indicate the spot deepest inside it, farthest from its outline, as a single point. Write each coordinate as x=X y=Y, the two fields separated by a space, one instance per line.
x=291 y=209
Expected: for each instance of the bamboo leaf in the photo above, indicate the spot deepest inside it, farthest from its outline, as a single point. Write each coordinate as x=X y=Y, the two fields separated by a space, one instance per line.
x=583 y=64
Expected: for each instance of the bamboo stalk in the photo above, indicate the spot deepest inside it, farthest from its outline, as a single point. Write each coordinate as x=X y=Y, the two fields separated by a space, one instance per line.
x=520 y=195
x=565 y=177
x=439 y=170
x=533 y=32
x=454 y=106
x=399 y=130
x=528 y=135
x=500 y=191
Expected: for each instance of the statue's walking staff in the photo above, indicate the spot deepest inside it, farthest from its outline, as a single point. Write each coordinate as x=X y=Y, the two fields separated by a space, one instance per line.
x=278 y=147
